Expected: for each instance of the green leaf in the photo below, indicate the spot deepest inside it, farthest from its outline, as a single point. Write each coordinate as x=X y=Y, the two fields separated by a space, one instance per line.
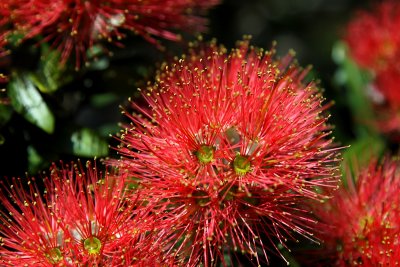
x=102 y=100
x=87 y=143
x=29 y=103
x=51 y=74
x=35 y=160
x=339 y=52
x=356 y=80
x=360 y=153
x=96 y=58
x=15 y=38
x=5 y=114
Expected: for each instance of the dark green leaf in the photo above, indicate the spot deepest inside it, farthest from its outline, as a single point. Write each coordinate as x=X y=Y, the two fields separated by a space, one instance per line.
x=35 y=161
x=87 y=143
x=361 y=152
x=101 y=100
x=356 y=81
x=15 y=38
x=28 y=102
x=5 y=114
x=51 y=73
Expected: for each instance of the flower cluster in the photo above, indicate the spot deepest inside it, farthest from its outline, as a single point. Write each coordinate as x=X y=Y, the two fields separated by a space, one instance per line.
x=379 y=51
x=82 y=218
x=74 y=25
x=362 y=223
x=228 y=157
x=232 y=142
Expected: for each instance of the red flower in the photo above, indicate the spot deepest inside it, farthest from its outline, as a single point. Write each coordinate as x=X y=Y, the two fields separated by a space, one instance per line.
x=83 y=218
x=232 y=142
x=364 y=218
x=4 y=31
x=30 y=233
x=101 y=215
x=379 y=52
x=373 y=37
x=388 y=115
x=75 y=25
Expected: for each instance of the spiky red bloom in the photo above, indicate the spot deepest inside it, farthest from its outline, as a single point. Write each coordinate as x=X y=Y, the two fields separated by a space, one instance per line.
x=382 y=41
x=235 y=141
x=102 y=217
x=363 y=218
x=84 y=219
x=30 y=232
x=75 y=25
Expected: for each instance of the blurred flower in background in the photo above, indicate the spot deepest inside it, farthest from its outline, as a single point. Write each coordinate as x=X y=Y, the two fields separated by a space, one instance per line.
x=74 y=26
x=374 y=43
x=361 y=223
x=373 y=37
x=4 y=18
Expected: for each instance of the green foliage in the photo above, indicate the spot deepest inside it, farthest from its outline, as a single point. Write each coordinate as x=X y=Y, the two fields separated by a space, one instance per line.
x=87 y=143
x=5 y=114
x=356 y=81
x=50 y=75
x=35 y=160
x=26 y=100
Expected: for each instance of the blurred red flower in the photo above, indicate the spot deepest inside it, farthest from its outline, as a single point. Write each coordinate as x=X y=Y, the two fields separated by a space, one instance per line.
x=4 y=30
x=75 y=25
x=232 y=142
x=362 y=223
x=373 y=37
x=374 y=43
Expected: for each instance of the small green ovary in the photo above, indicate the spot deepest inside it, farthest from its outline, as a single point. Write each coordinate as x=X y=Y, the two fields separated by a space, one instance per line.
x=92 y=245
x=241 y=165
x=54 y=256
x=205 y=154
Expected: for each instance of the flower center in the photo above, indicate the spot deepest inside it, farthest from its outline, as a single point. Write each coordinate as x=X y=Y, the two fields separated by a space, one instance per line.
x=205 y=154
x=92 y=245
x=241 y=165
x=54 y=256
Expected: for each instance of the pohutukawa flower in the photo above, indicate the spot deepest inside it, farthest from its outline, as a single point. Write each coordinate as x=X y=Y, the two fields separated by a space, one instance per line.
x=4 y=31
x=362 y=219
x=388 y=116
x=382 y=43
x=75 y=25
x=379 y=52
x=101 y=215
x=83 y=218
x=232 y=142
x=30 y=233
